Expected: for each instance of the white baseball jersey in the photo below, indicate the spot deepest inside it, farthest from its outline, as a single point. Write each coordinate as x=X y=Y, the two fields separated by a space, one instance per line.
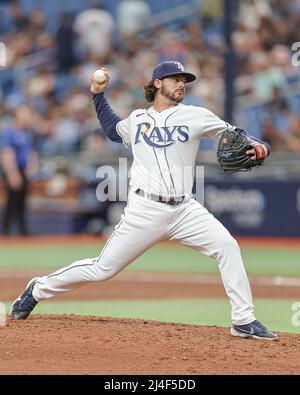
x=165 y=144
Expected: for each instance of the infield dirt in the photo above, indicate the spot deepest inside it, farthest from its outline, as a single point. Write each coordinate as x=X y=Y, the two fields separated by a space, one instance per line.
x=60 y=344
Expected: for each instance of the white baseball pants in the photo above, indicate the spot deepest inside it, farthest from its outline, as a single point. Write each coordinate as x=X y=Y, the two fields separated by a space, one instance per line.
x=146 y=222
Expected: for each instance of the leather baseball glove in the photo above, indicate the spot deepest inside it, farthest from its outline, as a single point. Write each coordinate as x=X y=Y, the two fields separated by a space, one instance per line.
x=240 y=152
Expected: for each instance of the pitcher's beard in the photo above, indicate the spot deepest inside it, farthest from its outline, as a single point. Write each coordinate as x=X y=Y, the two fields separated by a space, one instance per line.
x=171 y=96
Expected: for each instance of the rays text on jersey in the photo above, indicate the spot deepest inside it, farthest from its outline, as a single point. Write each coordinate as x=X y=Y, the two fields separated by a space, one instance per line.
x=161 y=136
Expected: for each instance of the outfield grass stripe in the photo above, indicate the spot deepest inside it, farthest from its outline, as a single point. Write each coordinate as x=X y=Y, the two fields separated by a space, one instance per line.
x=173 y=259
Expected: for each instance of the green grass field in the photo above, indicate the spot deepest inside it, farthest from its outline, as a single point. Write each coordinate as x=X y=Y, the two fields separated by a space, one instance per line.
x=275 y=313
x=169 y=259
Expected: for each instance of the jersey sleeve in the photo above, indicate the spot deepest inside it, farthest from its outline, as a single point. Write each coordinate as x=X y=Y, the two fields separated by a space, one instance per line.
x=126 y=127
x=123 y=130
x=213 y=126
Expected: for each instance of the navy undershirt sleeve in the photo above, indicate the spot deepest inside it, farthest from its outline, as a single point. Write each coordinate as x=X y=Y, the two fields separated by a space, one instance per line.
x=107 y=118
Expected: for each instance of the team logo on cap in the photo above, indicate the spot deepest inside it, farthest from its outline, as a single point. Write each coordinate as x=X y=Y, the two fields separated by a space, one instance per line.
x=179 y=65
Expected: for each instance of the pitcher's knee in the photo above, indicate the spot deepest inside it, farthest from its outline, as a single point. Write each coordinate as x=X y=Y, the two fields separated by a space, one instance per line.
x=104 y=270
x=228 y=244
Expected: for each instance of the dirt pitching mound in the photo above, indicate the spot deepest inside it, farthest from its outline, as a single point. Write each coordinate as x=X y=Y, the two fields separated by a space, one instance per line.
x=70 y=344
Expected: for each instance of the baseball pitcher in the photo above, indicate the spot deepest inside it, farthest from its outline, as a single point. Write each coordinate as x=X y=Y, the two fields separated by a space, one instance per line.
x=164 y=139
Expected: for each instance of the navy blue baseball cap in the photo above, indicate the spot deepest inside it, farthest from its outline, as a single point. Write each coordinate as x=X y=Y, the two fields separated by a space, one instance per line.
x=167 y=69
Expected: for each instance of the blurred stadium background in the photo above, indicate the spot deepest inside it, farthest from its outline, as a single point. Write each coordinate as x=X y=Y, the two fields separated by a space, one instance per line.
x=248 y=78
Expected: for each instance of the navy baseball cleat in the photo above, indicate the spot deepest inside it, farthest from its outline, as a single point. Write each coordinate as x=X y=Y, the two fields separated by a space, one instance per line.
x=23 y=306
x=254 y=330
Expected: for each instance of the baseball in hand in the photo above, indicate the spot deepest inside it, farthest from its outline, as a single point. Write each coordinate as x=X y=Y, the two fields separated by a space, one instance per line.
x=99 y=76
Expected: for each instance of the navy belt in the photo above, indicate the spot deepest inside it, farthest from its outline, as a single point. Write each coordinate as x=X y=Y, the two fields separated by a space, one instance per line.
x=173 y=201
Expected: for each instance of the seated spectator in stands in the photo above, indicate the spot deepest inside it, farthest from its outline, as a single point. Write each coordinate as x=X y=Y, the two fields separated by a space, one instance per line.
x=132 y=15
x=95 y=142
x=68 y=127
x=18 y=21
x=41 y=84
x=18 y=161
x=210 y=87
x=65 y=38
x=281 y=126
x=171 y=46
x=265 y=76
x=37 y=22
x=95 y=27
